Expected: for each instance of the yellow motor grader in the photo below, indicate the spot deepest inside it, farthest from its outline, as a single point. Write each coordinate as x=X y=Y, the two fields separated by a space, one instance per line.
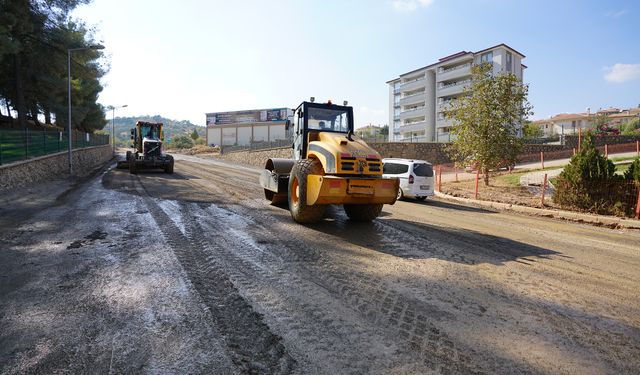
x=330 y=165
x=147 y=152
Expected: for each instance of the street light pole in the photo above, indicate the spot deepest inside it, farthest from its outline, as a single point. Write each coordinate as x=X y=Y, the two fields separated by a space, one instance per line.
x=113 y=121
x=69 y=50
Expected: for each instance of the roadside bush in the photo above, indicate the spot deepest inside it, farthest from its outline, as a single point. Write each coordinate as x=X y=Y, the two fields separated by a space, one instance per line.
x=181 y=141
x=631 y=127
x=589 y=183
x=633 y=172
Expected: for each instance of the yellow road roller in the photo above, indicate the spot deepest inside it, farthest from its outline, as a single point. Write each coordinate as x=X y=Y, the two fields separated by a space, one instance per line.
x=330 y=165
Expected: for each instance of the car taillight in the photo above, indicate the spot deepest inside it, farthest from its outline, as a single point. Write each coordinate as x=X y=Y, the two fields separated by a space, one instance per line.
x=410 y=179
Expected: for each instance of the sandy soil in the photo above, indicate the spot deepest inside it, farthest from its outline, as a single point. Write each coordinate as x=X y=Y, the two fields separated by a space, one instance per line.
x=498 y=191
x=197 y=273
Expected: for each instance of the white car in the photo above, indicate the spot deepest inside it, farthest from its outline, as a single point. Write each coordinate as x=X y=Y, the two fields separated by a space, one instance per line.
x=416 y=177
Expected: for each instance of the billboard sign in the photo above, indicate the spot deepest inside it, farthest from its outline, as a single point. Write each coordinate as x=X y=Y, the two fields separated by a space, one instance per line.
x=247 y=117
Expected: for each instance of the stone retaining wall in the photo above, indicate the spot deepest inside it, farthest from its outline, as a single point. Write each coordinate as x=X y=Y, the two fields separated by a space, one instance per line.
x=432 y=152
x=256 y=158
x=571 y=141
x=24 y=173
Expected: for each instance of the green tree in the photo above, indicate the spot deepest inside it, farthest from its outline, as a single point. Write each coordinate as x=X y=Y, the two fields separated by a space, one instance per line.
x=384 y=130
x=531 y=130
x=195 y=135
x=34 y=38
x=600 y=122
x=182 y=141
x=486 y=120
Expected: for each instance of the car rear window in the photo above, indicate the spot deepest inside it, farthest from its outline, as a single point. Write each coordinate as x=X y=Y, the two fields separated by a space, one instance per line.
x=423 y=170
x=394 y=168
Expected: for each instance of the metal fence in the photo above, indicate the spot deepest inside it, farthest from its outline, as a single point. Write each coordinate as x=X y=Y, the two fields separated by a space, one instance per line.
x=16 y=145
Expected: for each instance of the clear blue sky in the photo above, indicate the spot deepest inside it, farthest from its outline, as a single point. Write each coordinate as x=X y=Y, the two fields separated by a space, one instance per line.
x=182 y=59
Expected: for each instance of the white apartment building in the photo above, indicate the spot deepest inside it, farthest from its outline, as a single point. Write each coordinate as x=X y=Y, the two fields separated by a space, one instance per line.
x=417 y=98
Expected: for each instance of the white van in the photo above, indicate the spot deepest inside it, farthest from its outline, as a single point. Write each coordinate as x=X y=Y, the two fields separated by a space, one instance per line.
x=416 y=177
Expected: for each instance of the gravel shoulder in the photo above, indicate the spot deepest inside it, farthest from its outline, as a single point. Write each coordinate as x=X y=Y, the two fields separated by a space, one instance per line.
x=197 y=273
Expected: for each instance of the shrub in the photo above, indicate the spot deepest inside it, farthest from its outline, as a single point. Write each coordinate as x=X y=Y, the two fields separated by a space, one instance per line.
x=633 y=172
x=181 y=141
x=631 y=127
x=589 y=182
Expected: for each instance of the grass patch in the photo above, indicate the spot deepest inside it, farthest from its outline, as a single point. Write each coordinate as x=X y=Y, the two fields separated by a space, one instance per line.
x=510 y=179
x=622 y=158
x=621 y=168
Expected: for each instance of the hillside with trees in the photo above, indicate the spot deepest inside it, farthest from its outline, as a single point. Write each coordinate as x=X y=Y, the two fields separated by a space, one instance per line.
x=172 y=128
x=34 y=39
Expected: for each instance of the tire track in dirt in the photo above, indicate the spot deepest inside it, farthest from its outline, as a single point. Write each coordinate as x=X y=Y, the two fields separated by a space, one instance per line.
x=308 y=314
x=250 y=343
x=407 y=320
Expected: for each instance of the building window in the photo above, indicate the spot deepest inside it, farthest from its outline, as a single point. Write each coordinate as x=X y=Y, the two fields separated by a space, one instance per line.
x=486 y=57
x=509 y=62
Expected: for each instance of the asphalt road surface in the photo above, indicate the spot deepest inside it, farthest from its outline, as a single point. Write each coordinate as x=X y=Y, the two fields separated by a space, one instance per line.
x=196 y=273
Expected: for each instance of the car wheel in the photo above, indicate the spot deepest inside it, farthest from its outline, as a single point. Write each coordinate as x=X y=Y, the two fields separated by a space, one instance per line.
x=400 y=194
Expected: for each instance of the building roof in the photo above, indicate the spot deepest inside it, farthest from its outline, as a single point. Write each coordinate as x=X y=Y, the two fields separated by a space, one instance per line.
x=563 y=116
x=620 y=113
x=456 y=55
x=626 y=113
x=608 y=110
x=501 y=45
x=451 y=57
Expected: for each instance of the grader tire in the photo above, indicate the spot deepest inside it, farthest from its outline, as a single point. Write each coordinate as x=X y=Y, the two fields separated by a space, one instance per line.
x=362 y=212
x=169 y=167
x=300 y=211
x=132 y=167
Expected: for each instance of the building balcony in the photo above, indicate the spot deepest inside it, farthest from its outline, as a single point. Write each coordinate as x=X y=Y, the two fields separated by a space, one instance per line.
x=452 y=88
x=453 y=73
x=413 y=99
x=444 y=104
x=444 y=137
x=413 y=113
x=413 y=127
x=443 y=122
x=413 y=85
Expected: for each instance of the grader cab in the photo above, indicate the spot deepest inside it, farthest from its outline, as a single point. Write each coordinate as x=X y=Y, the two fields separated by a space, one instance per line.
x=330 y=165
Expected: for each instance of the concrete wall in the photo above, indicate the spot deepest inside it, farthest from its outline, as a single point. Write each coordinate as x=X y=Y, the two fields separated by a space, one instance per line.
x=24 y=173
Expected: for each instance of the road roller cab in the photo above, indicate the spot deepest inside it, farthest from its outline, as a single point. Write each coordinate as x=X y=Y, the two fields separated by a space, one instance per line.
x=330 y=165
